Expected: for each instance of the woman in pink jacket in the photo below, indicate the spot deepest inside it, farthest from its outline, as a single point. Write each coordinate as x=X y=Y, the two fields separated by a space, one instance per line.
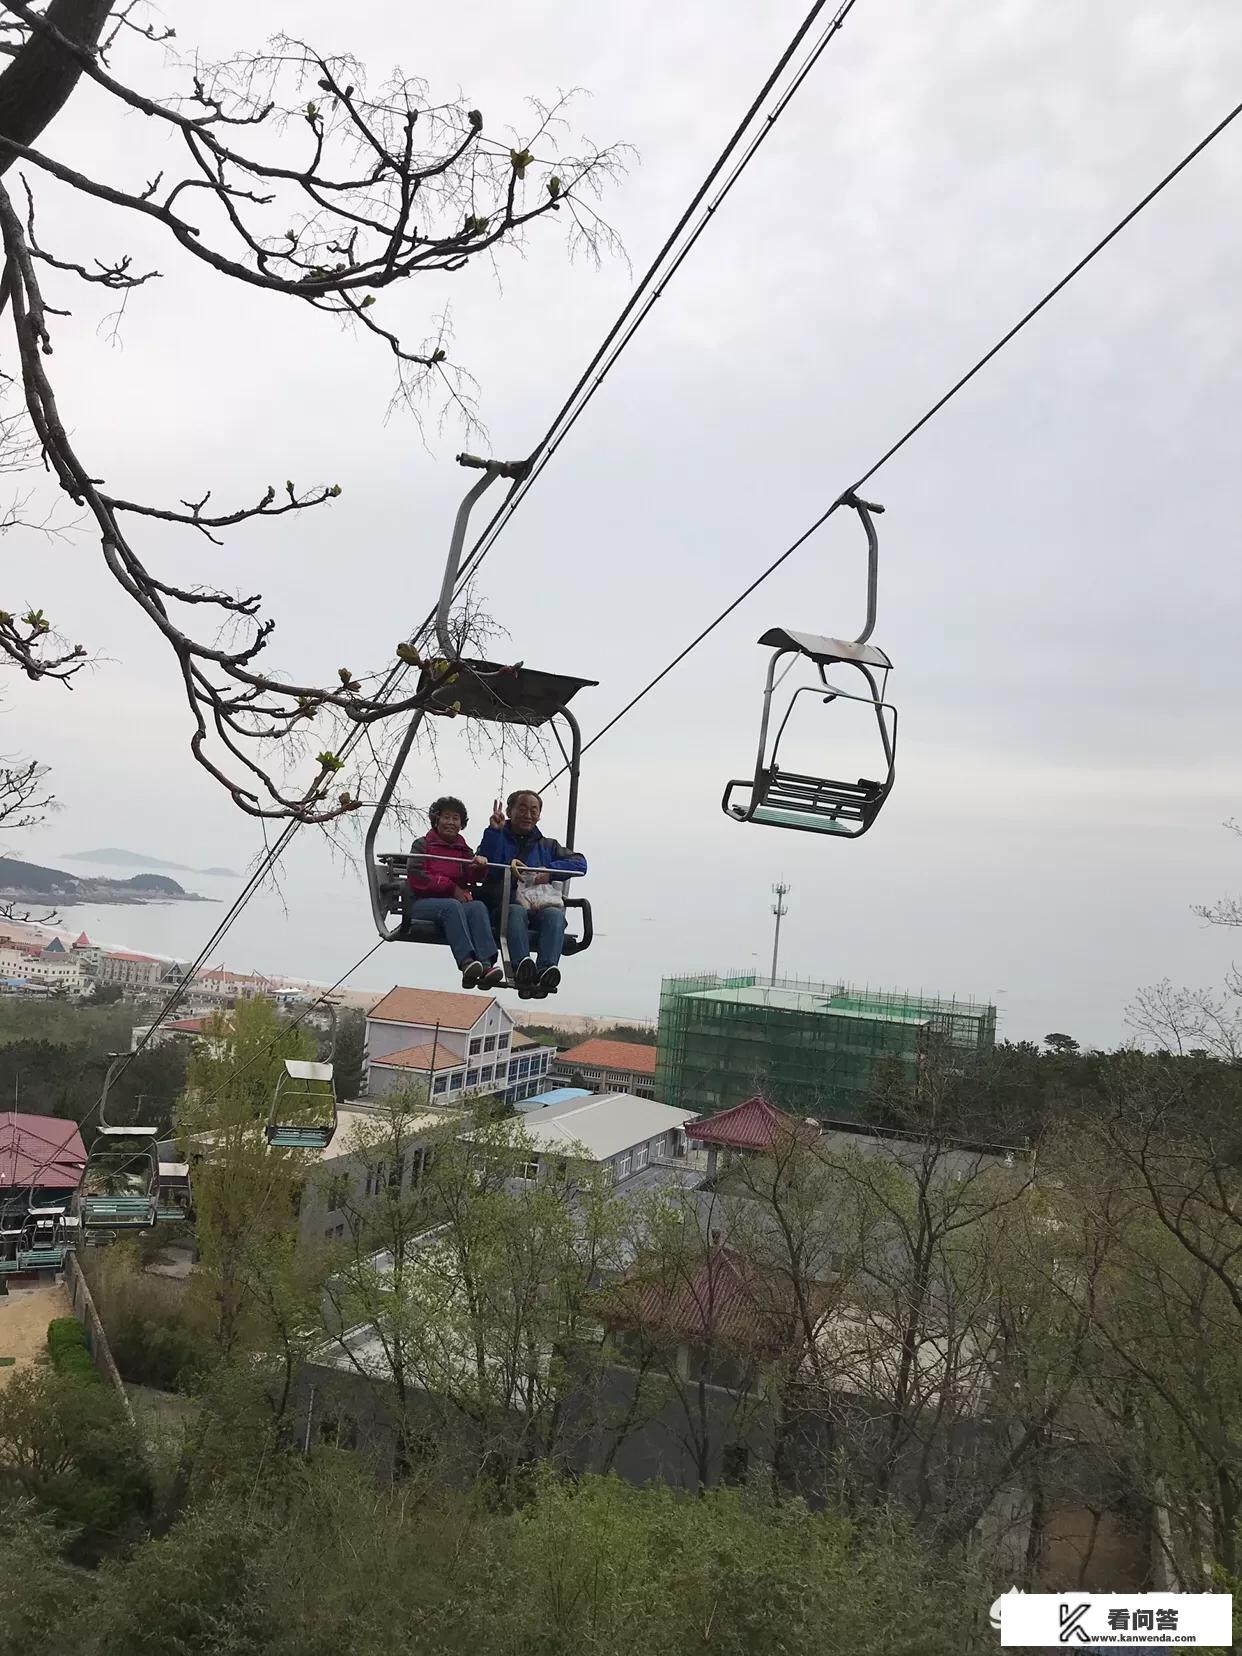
x=442 y=872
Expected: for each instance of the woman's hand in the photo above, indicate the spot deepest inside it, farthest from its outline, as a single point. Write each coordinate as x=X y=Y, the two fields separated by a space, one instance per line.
x=462 y=894
x=480 y=862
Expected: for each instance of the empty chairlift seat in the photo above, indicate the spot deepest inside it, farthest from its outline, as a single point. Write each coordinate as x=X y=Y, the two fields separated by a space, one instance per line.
x=43 y=1240
x=120 y=1181
x=303 y=1115
x=819 y=804
x=174 y=1204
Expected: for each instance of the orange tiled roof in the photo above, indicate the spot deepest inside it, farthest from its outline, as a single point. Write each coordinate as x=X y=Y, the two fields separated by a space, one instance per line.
x=420 y=1058
x=431 y=1006
x=614 y=1055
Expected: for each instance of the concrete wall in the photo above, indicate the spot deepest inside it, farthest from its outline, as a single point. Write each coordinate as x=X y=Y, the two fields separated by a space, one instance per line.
x=96 y=1340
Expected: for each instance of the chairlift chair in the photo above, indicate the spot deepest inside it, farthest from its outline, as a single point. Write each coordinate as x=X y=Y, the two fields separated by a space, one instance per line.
x=10 y=1236
x=119 y=1187
x=498 y=693
x=778 y=798
x=42 y=1244
x=303 y=1114
x=174 y=1203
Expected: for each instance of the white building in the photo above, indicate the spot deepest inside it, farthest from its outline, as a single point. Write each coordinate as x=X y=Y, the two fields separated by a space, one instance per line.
x=622 y=1134
x=59 y=968
x=456 y=1044
x=131 y=971
x=351 y=1174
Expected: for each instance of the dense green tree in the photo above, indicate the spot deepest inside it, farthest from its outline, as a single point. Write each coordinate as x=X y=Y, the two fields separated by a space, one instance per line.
x=67 y=1445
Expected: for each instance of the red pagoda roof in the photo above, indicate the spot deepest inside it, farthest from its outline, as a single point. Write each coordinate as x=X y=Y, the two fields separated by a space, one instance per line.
x=721 y=1299
x=44 y=1151
x=754 y=1125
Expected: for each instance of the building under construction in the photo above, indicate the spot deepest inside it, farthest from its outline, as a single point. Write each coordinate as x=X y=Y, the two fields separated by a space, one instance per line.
x=813 y=1048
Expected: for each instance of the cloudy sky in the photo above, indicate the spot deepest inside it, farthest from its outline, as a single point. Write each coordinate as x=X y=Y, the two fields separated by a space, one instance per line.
x=1059 y=567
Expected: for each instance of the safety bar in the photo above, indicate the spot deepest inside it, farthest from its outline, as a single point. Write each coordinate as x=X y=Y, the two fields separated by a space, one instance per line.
x=473 y=862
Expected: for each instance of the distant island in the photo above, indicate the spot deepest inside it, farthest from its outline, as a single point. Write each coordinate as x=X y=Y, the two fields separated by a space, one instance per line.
x=112 y=857
x=25 y=882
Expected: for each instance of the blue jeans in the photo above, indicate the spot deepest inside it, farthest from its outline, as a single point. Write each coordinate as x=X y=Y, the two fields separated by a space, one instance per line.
x=548 y=927
x=467 y=927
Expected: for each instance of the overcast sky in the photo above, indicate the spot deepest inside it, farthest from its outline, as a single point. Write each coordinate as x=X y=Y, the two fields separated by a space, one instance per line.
x=1059 y=555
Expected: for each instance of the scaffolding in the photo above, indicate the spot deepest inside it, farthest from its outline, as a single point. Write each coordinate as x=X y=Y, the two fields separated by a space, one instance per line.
x=816 y=1049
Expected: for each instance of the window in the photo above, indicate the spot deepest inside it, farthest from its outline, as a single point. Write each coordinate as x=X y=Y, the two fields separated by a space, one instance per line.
x=441 y=1082
x=623 y=1166
x=395 y=1173
x=489 y=1045
x=471 y=1077
x=502 y=1042
x=528 y=1170
x=523 y=1066
x=338 y=1191
x=375 y=1178
x=657 y=1147
x=334 y=1233
x=485 y=1074
x=640 y=1156
x=476 y=1046
x=455 y=1081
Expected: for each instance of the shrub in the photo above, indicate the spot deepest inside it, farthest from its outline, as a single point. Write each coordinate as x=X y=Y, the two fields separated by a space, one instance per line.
x=69 y=1353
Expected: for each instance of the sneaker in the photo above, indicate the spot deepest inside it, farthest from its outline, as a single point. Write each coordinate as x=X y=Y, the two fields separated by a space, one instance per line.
x=549 y=980
x=526 y=994
x=493 y=976
x=471 y=972
x=537 y=993
x=524 y=976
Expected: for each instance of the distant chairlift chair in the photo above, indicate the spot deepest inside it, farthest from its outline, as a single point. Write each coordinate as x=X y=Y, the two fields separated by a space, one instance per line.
x=43 y=1240
x=175 y=1204
x=119 y=1187
x=780 y=798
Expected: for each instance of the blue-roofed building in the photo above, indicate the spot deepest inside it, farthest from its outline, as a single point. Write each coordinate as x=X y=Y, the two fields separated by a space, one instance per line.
x=554 y=1095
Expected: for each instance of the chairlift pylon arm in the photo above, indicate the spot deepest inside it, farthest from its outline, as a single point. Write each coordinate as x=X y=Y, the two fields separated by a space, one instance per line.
x=865 y=509
x=515 y=471
x=115 y=1061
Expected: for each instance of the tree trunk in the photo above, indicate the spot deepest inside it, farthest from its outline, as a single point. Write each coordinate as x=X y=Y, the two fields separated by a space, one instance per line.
x=37 y=83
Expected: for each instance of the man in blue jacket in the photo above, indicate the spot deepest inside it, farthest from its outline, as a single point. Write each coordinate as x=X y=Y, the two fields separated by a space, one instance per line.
x=516 y=840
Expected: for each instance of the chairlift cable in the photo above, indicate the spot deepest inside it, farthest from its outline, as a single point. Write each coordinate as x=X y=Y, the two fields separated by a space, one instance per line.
x=958 y=385
x=657 y=277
